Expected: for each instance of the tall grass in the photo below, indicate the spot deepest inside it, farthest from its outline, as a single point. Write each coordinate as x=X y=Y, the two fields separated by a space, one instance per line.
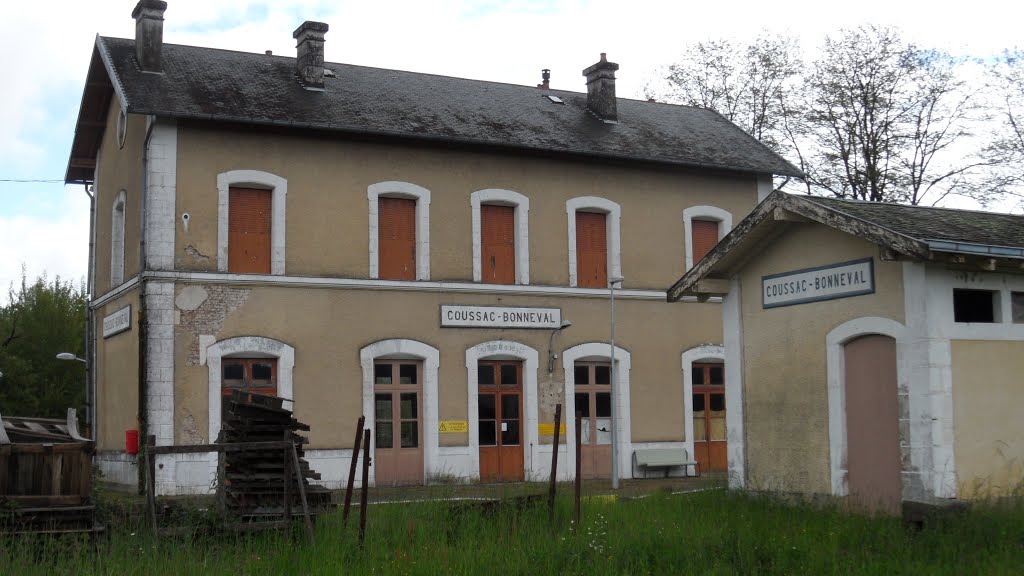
x=715 y=532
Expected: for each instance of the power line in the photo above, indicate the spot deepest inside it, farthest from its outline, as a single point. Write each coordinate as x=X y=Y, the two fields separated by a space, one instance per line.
x=23 y=181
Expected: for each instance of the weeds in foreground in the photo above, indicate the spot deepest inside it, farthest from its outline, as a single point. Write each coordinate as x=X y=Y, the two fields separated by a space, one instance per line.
x=715 y=532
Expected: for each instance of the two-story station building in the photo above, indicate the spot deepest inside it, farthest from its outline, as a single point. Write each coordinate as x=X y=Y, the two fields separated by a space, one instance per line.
x=402 y=246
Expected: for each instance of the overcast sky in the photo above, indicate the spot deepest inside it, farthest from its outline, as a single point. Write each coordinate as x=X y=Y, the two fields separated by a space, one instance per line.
x=46 y=48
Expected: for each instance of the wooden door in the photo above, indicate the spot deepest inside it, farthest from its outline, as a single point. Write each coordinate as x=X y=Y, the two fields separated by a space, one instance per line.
x=591 y=250
x=500 y=409
x=249 y=220
x=398 y=419
x=497 y=244
x=709 y=433
x=593 y=399
x=396 y=242
x=872 y=424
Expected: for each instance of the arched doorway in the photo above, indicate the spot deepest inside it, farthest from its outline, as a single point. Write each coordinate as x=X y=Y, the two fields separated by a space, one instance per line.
x=872 y=423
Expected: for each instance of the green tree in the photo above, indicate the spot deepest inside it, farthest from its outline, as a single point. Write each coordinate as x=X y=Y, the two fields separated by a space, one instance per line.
x=40 y=320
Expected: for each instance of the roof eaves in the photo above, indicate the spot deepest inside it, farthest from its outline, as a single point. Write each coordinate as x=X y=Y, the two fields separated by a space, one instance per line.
x=975 y=249
x=115 y=80
x=857 y=226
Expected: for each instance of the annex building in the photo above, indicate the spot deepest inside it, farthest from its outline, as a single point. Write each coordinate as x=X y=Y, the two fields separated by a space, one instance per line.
x=871 y=350
x=434 y=253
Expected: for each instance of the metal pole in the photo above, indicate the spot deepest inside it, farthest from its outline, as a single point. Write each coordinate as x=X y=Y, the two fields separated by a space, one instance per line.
x=614 y=392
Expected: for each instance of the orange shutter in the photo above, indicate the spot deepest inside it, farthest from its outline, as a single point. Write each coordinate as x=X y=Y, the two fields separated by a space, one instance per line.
x=705 y=236
x=249 y=230
x=498 y=244
x=396 y=238
x=591 y=250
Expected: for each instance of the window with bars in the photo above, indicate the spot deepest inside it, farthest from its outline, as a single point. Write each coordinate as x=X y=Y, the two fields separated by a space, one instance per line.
x=249 y=217
x=591 y=250
x=396 y=238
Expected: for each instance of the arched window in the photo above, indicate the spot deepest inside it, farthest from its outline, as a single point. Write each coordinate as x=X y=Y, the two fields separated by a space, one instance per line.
x=594 y=243
x=703 y=227
x=501 y=237
x=117 y=240
x=251 y=216
x=399 y=231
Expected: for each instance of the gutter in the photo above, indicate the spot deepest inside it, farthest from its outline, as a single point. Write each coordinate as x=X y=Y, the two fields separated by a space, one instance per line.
x=90 y=349
x=976 y=249
x=143 y=336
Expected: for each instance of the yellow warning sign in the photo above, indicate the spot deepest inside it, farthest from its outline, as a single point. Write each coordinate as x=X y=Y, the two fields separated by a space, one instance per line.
x=453 y=426
x=548 y=429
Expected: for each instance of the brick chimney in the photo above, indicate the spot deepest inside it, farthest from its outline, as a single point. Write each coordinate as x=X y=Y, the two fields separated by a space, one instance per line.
x=149 y=34
x=309 y=63
x=545 y=76
x=601 y=89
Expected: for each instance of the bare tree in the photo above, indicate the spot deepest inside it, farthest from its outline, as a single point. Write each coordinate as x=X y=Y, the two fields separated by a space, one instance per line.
x=1005 y=150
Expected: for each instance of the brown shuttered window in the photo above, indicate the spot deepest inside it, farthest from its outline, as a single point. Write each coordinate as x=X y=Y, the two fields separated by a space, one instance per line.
x=498 y=244
x=591 y=250
x=397 y=238
x=705 y=236
x=249 y=230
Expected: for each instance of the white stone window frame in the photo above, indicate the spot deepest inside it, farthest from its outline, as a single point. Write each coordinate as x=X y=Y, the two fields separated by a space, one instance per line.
x=613 y=221
x=712 y=213
x=278 y=187
x=396 y=189
x=521 y=204
x=404 y=349
x=600 y=352
x=706 y=353
x=117 y=220
x=506 y=350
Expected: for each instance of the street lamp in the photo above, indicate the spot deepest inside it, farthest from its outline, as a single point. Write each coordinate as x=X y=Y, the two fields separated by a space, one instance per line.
x=70 y=356
x=614 y=392
x=551 y=353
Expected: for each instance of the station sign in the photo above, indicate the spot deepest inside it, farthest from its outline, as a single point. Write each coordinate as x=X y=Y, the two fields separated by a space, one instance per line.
x=829 y=282
x=500 y=317
x=117 y=322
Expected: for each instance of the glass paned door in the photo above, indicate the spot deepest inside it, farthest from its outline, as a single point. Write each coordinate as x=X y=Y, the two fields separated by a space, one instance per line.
x=709 y=430
x=499 y=418
x=593 y=397
x=398 y=420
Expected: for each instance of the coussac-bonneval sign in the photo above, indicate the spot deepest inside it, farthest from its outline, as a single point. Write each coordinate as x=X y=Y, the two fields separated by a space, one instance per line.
x=499 y=317
x=822 y=283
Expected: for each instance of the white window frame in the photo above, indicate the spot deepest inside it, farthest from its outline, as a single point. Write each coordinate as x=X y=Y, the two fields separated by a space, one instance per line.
x=614 y=217
x=421 y=195
x=522 y=230
x=279 y=194
x=713 y=213
x=117 y=213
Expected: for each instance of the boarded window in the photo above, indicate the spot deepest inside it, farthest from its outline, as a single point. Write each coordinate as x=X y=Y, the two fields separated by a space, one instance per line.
x=591 y=250
x=249 y=230
x=498 y=244
x=397 y=238
x=705 y=236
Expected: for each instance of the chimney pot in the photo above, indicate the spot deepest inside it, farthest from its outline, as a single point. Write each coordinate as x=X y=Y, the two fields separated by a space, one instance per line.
x=545 y=75
x=601 y=89
x=149 y=34
x=269 y=52
x=309 y=62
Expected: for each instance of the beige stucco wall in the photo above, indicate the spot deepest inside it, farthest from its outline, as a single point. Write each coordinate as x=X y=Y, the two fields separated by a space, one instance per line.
x=328 y=328
x=327 y=222
x=784 y=373
x=989 y=440
x=119 y=169
x=117 y=376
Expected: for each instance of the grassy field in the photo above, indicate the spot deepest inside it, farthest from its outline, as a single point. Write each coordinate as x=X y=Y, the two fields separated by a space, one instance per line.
x=712 y=532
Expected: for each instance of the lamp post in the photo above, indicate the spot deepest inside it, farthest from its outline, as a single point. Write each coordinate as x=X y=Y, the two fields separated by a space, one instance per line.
x=88 y=401
x=614 y=392
x=551 y=339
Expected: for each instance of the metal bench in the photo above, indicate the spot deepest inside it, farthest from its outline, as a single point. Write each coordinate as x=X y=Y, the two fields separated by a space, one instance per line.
x=666 y=458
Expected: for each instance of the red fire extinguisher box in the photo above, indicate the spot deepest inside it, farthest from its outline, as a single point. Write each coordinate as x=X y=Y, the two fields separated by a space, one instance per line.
x=131 y=442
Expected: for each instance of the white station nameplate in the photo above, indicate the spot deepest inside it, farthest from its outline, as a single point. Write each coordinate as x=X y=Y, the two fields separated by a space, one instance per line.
x=499 y=317
x=822 y=283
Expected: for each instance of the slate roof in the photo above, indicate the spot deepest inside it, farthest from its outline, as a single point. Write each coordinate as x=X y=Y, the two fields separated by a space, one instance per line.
x=206 y=83
x=931 y=224
x=915 y=232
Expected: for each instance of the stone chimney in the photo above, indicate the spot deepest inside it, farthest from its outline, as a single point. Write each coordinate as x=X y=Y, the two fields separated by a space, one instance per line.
x=601 y=89
x=309 y=63
x=149 y=34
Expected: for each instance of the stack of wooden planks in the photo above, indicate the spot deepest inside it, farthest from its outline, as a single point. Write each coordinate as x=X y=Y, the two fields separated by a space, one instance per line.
x=258 y=484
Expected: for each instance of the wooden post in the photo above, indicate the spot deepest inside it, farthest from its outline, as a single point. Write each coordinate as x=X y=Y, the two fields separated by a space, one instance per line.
x=366 y=488
x=286 y=465
x=151 y=481
x=579 y=467
x=554 y=464
x=222 y=489
x=352 y=469
x=302 y=494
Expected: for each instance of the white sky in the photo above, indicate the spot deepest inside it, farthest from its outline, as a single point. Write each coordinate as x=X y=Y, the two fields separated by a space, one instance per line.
x=47 y=45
